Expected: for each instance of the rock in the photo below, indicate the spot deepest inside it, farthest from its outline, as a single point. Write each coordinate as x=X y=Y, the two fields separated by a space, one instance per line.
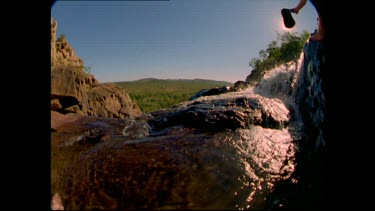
x=240 y=85
x=62 y=54
x=222 y=151
x=213 y=91
x=74 y=91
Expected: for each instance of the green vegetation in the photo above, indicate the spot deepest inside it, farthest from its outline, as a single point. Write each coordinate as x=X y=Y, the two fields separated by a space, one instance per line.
x=154 y=94
x=287 y=48
x=86 y=69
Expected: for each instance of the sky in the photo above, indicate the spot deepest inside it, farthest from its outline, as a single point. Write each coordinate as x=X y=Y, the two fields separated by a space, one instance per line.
x=176 y=39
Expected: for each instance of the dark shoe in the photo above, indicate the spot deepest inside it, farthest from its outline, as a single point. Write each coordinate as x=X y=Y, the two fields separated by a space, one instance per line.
x=288 y=18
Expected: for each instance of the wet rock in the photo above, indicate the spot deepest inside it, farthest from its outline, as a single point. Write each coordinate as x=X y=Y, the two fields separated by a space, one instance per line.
x=213 y=91
x=217 y=152
x=230 y=150
x=240 y=85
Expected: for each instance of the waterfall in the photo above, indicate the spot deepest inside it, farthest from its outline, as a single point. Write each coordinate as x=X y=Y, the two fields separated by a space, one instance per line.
x=280 y=81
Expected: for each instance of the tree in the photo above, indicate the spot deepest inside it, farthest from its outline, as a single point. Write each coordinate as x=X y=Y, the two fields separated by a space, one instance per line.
x=286 y=48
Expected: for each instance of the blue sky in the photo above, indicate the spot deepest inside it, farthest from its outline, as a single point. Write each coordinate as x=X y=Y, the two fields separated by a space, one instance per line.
x=176 y=39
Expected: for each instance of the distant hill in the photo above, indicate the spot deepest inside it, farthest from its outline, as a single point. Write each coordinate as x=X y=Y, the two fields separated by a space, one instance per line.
x=197 y=80
x=153 y=94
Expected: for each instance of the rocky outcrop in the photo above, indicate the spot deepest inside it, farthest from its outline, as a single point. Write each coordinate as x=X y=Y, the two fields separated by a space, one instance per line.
x=62 y=54
x=53 y=41
x=74 y=91
x=254 y=78
x=77 y=92
x=310 y=97
x=212 y=91
x=240 y=85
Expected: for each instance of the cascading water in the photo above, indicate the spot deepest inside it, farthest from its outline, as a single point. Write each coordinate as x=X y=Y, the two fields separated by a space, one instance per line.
x=227 y=151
